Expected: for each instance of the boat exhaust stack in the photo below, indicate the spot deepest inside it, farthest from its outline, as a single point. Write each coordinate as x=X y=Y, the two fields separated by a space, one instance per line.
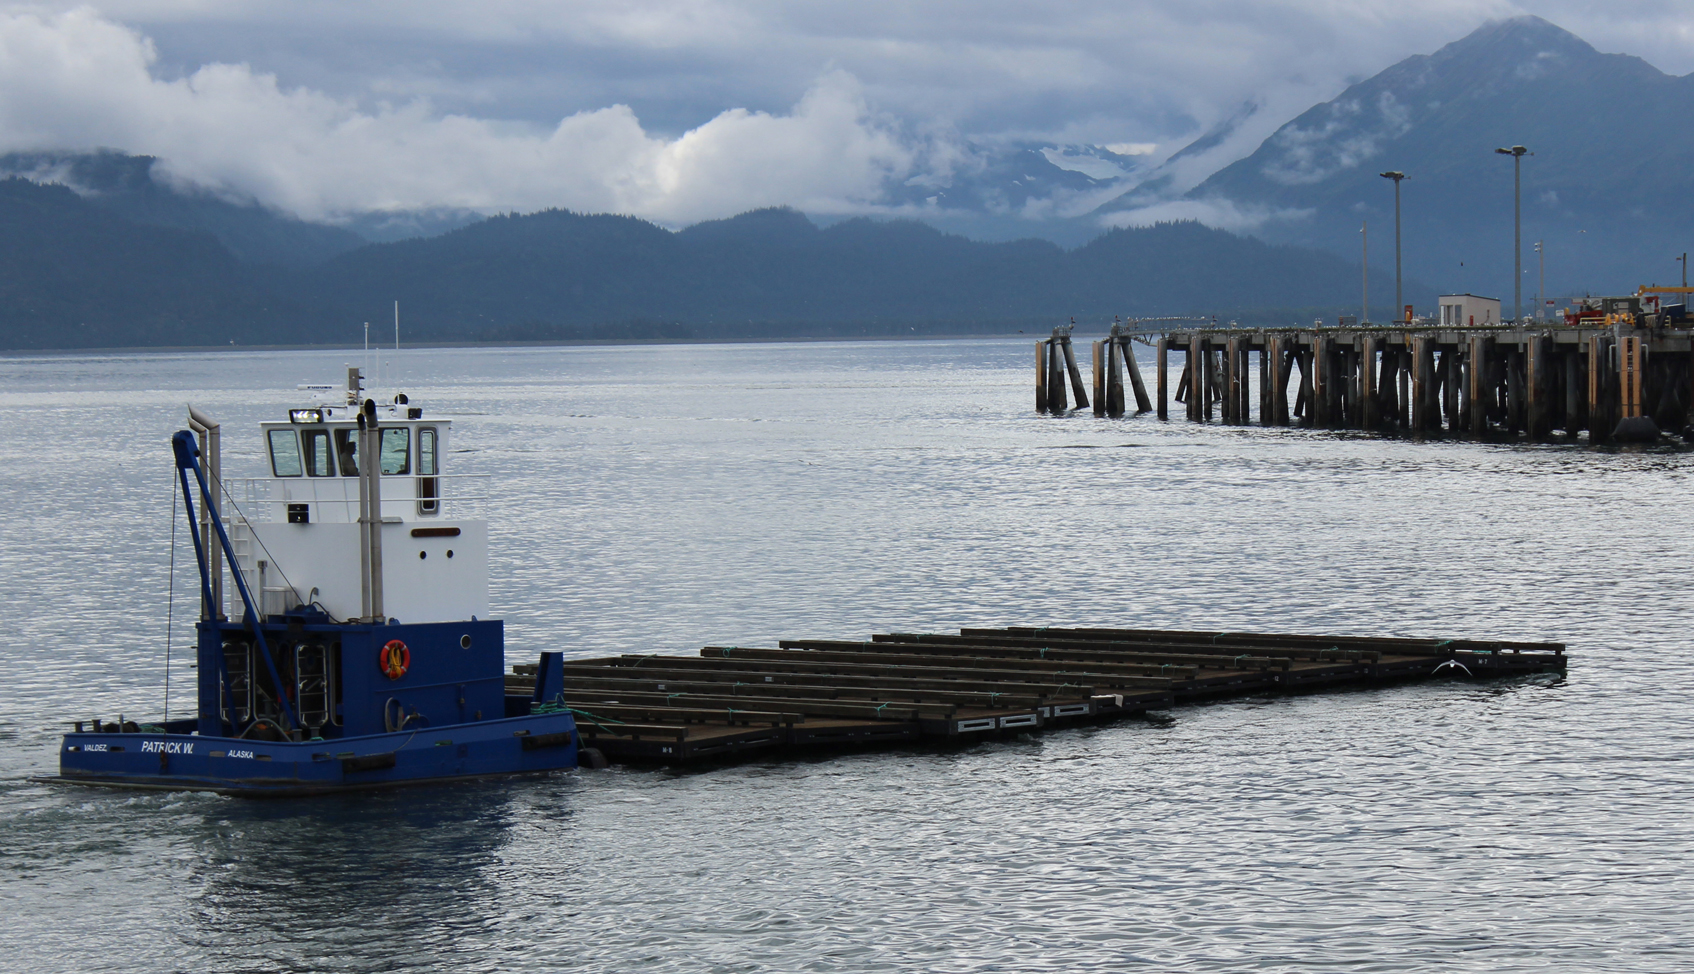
x=370 y=513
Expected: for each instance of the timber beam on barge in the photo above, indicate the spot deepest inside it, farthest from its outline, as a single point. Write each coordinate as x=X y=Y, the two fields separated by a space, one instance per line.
x=895 y=688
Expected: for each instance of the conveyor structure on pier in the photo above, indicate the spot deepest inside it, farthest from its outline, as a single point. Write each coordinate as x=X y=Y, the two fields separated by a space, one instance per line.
x=904 y=687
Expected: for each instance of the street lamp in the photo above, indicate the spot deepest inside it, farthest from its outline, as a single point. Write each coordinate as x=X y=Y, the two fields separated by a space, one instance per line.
x=1684 y=261
x=1396 y=175
x=1517 y=152
x=1541 y=288
x=1364 y=258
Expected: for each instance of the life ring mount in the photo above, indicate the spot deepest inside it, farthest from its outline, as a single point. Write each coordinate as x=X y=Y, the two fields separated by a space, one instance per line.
x=394 y=659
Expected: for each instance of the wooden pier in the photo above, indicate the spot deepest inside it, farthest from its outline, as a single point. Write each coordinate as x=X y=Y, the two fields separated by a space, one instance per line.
x=898 y=688
x=1614 y=382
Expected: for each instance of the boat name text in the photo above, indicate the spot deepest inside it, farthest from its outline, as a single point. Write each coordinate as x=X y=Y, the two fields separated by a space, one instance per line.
x=167 y=747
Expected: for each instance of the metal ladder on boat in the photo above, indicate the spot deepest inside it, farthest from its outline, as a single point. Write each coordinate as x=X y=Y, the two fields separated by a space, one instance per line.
x=238 y=674
x=311 y=684
x=241 y=542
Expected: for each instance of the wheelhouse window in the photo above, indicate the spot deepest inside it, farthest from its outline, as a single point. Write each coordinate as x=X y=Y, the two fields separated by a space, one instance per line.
x=396 y=451
x=426 y=452
x=319 y=459
x=428 y=487
x=285 y=454
x=347 y=450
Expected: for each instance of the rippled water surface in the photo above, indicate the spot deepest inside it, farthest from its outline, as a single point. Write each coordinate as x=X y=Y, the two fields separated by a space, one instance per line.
x=663 y=498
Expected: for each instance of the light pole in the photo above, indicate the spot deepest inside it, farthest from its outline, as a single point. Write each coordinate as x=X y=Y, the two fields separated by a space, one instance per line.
x=1541 y=285
x=1396 y=175
x=1364 y=258
x=1517 y=152
x=1684 y=260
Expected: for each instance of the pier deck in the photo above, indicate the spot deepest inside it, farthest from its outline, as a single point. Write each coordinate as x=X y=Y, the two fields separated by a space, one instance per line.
x=901 y=687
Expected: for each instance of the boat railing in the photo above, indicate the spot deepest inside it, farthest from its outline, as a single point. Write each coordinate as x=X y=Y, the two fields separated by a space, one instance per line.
x=336 y=499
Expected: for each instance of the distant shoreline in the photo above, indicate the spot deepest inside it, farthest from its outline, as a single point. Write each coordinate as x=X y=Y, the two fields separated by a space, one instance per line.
x=555 y=343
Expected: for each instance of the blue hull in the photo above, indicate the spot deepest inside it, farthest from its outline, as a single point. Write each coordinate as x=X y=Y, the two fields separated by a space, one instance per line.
x=191 y=762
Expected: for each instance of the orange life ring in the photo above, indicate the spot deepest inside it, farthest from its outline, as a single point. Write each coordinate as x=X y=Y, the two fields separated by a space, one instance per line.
x=395 y=659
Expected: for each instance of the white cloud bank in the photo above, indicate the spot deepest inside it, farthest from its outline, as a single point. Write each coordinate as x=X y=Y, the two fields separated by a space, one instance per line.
x=388 y=104
x=77 y=80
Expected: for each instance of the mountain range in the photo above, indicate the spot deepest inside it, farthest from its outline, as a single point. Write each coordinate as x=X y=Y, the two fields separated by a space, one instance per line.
x=1607 y=188
x=78 y=274
x=102 y=251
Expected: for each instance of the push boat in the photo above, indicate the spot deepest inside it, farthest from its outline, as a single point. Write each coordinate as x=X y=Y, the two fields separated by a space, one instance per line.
x=341 y=669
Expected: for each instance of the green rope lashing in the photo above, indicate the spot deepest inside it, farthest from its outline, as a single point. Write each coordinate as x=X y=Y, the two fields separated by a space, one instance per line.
x=1043 y=652
x=726 y=651
x=880 y=706
x=553 y=706
x=1444 y=642
x=594 y=719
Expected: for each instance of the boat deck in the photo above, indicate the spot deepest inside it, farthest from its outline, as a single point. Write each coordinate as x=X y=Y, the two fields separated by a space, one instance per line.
x=905 y=687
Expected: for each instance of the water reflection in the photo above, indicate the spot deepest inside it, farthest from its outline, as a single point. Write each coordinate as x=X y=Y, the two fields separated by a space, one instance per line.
x=370 y=881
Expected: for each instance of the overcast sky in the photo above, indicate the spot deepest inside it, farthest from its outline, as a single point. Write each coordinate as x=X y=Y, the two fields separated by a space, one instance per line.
x=681 y=110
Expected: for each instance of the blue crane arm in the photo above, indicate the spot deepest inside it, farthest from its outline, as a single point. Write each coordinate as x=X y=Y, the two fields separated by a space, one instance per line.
x=187 y=452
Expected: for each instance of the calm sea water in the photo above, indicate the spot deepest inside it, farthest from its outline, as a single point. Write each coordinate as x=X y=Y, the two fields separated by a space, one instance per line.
x=663 y=498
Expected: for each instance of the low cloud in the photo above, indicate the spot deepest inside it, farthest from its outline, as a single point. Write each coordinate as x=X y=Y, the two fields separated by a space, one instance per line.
x=1346 y=134
x=79 y=81
x=327 y=109
x=1221 y=214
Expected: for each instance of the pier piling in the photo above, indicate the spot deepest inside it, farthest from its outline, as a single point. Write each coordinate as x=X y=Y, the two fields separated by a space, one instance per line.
x=1041 y=376
x=1100 y=379
x=1369 y=405
x=1142 y=402
x=1197 y=386
x=1164 y=368
x=1475 y=381
x=1070 y=366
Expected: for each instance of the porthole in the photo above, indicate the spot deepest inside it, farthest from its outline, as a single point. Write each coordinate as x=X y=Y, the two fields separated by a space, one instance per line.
x=465 y=641
x=423 y=554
